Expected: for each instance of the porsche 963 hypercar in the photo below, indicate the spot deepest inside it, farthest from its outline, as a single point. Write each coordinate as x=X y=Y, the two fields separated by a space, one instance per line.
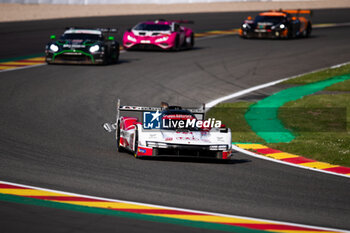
x=170 y=131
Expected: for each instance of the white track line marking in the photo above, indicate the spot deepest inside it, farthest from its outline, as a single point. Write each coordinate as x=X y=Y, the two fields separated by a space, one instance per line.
x=180 y=209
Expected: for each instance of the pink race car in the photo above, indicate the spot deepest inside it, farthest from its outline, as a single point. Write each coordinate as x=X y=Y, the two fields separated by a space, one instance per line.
x=159 y=34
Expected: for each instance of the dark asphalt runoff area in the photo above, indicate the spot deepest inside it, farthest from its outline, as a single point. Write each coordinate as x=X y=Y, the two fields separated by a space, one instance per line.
x=51 y=133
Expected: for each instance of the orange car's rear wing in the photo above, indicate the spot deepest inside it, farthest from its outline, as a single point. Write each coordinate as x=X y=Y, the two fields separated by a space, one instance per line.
x=298 y=12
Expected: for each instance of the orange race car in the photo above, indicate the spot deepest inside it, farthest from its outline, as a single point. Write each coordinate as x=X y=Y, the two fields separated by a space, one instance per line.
x=277 y=24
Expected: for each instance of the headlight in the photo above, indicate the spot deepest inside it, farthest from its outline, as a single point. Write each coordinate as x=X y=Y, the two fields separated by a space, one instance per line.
x=156 y=144
x=54 y=48
x=151 y=144
x=94 y=48
x=131 y=38
x=245 y=26
x=222 y=147
x=282 y=26
x=162 y=39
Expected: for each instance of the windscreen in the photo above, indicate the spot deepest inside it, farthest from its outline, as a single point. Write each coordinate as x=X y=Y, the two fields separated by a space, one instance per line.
x=152 y=27
x=270 y=19
x=80 y=36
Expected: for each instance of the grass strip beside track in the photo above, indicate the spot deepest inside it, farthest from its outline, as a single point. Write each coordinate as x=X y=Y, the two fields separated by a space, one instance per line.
x=110 y=212
x=332 y=146
x=263 y=116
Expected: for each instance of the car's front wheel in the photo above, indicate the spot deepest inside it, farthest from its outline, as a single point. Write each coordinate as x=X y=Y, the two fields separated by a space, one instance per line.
x=136 y=142
x=119 y=147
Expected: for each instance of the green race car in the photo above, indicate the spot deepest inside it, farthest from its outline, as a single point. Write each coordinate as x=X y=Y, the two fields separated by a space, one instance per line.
x=83 y=46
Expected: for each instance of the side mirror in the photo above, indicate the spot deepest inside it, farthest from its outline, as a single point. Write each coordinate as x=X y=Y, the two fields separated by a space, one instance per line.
x=111 y=38
x=109 y=127
x=53 y=37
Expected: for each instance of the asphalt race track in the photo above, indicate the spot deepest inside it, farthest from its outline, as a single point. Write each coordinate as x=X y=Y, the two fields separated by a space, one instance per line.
x=51 y=134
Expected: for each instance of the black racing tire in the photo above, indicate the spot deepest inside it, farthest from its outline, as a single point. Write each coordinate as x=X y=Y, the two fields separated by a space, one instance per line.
x=114 y=54
x=290 y=34
x=48 y=62
x=119 y=148
x=136 y=143
x=177 y=44
x=191 y=44
x=308 y=30
x=115 y=59
x=105 y=60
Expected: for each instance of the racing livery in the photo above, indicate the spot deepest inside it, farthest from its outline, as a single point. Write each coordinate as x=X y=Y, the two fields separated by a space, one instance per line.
x=168 y=139
x=159 y=34
x=83 y=46
x=277 y=24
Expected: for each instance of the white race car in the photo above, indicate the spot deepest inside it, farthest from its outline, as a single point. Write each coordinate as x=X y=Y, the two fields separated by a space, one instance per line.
x=170 y=131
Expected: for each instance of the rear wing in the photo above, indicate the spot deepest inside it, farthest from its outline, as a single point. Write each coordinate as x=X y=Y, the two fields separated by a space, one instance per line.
x=103 y=30
x=183 y=21
x=110 y=127
x=108 y=30
x=298 y=12
x=198 y=112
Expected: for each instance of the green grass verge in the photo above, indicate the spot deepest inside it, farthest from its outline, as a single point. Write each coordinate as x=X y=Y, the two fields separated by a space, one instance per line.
x=320 y=134
x=232 y=115
x=320 y=75
x=343 y=86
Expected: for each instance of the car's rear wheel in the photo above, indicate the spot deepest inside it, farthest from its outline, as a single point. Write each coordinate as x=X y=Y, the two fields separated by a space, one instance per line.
x=190 y=44
x=177 y=44
x=115 y=54
x=308 y=30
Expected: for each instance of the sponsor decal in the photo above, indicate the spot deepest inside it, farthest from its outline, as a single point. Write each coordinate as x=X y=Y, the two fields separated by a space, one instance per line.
x=151 y=120
x=190 y=123
x=73 y=46
x=142 y=150
x=155 y=120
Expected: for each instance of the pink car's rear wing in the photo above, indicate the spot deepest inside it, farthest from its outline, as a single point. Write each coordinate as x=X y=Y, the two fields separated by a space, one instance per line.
x=183 y=21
